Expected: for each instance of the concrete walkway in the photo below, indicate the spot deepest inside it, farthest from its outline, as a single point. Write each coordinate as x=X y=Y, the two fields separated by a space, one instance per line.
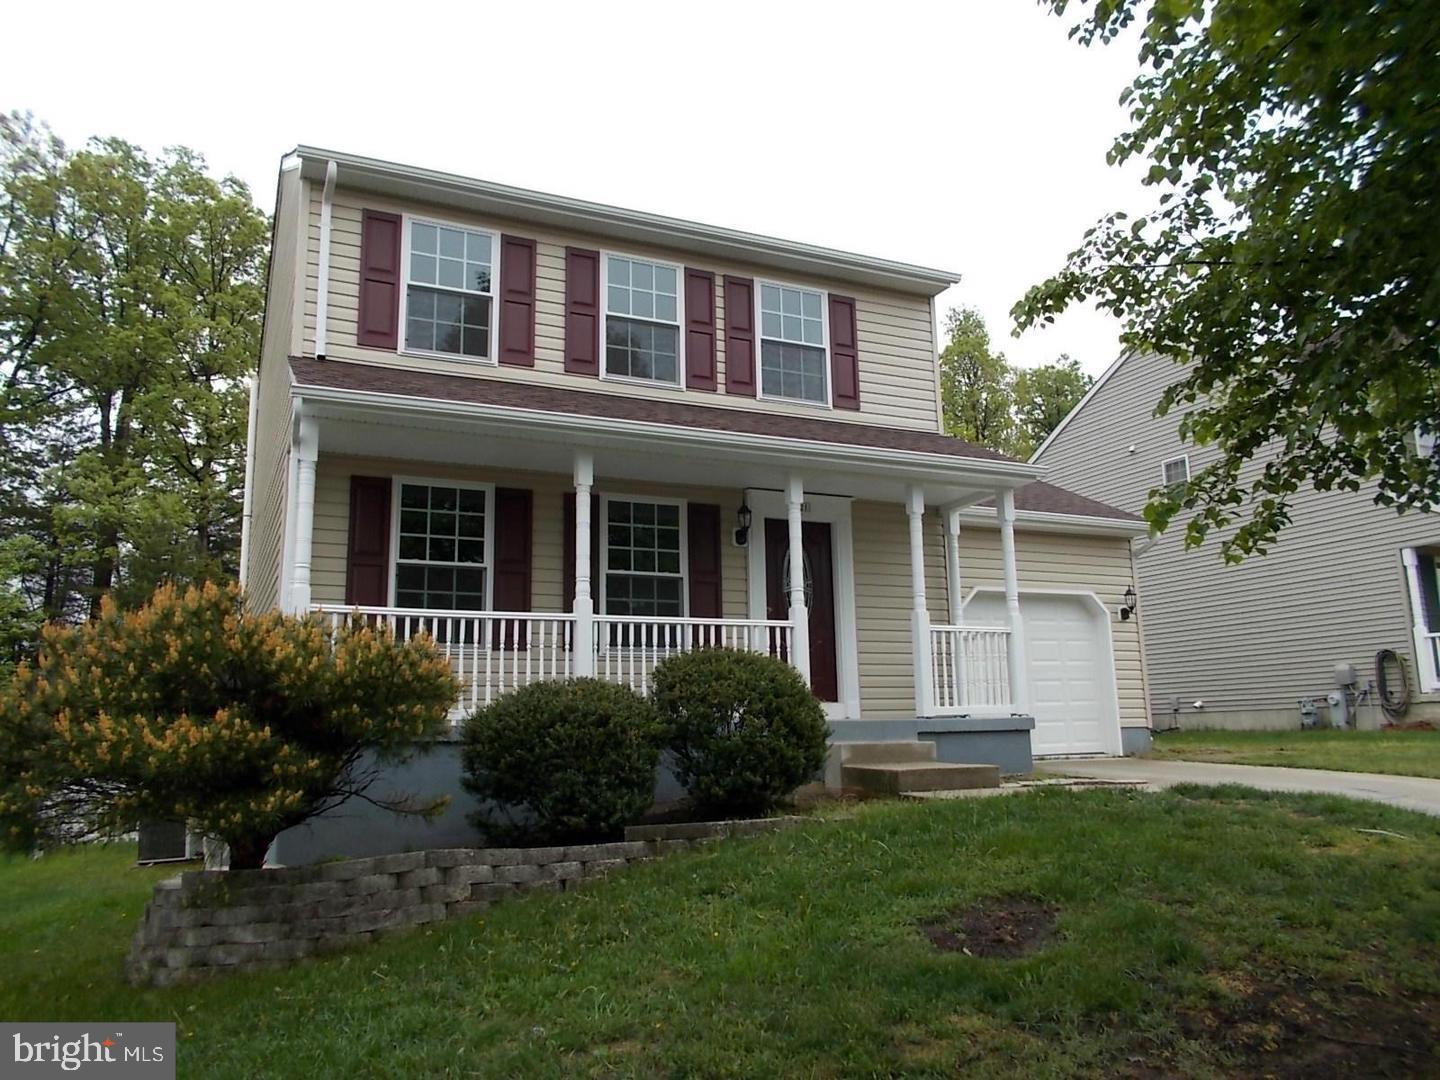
x=1406 y=792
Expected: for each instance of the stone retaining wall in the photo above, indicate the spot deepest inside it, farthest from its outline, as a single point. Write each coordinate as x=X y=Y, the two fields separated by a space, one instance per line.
x=211 y=921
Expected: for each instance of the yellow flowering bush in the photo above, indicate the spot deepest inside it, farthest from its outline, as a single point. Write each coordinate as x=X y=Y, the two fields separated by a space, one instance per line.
x=192 y=709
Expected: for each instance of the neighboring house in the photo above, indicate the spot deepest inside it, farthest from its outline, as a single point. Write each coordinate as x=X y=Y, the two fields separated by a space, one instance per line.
x=1242 y=645
x=569 y=439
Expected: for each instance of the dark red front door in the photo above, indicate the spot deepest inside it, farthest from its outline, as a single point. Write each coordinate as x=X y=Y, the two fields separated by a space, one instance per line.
x=819 y=595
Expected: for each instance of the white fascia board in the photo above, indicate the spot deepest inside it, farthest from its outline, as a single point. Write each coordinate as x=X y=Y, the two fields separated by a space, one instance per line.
x=1041 y=521
x=501 y=200
x=940 y=468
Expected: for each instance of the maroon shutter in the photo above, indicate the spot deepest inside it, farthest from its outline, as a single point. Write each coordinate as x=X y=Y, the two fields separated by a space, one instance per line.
x=367 y=562
x=699 y=330
x=703 y=525
x=379 y=315
x=512 y=558
x=844 y=354
x=567 y=549
x=739 y=336
x=517 y=301
x=582 y=311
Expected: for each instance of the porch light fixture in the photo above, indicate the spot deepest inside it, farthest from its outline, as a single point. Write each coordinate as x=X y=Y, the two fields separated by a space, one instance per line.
x=742 y=524
x=1130 y=602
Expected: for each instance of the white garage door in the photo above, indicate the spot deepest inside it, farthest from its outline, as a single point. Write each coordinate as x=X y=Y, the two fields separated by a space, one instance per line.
x=1069 y=681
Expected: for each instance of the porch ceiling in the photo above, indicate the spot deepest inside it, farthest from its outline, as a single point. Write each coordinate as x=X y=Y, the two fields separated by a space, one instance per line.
x=547 y=443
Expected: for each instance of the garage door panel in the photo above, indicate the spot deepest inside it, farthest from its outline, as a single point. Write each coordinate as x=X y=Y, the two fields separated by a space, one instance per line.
x=1066 y=668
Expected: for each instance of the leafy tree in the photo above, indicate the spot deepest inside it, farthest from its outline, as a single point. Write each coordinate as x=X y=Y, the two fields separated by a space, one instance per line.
x=977 y=386
x=1045 y=394
x=1291 y=252
x=191 y=709
x=130 y=307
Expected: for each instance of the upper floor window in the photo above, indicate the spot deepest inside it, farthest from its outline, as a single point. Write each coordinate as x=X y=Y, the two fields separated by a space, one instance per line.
x=449 y=295
x=792 y=344
x=441 y=551
x=1175 y=474
x=643 y=570
x=642 y=320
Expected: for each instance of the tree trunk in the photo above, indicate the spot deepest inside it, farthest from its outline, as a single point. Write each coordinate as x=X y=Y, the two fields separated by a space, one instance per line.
x=248 y=852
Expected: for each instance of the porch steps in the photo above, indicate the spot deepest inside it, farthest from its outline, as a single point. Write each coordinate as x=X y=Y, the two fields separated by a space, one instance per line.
x=895 y=768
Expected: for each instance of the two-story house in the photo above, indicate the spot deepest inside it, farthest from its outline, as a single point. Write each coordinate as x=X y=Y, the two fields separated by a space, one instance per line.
x=570 y=439
x=1304 y=633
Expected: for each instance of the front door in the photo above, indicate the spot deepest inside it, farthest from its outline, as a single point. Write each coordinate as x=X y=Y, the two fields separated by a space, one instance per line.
x=819 y=595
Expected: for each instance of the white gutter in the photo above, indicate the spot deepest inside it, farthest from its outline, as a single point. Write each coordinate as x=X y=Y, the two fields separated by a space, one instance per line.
x=1048 y=521
x=322 y=281
x=247 y=510
x=943 y=468
x=501 y=200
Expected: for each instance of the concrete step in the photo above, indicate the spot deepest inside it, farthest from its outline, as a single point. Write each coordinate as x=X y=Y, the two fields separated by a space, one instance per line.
x=895 y=778
x=870 y=753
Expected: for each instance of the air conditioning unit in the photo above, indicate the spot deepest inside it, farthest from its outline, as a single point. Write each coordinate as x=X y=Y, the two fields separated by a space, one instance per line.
x=166 y=841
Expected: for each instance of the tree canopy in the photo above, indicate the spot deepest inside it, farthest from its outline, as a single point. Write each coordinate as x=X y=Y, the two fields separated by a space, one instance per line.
x=1291 y=252
x=131 y=295
x=988 y=401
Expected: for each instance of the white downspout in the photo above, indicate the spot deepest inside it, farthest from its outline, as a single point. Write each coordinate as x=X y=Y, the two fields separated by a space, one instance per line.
x=322 y=278
x=247 y=507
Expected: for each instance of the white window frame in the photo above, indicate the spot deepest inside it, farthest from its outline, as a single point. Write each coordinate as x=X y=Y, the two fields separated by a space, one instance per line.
x=1165 y=482
x=408 y=220
x=824 y=346
x=438 y=481
x=683 y=505
x=679 y=383
x=1427 y=651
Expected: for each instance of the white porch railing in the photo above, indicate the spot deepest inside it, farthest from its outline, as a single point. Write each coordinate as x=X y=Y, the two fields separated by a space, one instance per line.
x=970 y=669
x=491 y=652
x=628 y=648
x=494 y=652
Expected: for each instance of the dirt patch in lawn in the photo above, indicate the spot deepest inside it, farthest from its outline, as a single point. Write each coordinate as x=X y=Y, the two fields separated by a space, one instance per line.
x=1303 y=1028
x=1000 y=928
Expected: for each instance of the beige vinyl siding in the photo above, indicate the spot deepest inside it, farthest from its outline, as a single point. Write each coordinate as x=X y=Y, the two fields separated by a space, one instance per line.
x=898 y=366
x=1044 y=560
x=332 y=523
x=270 y=481
x=1253 y=638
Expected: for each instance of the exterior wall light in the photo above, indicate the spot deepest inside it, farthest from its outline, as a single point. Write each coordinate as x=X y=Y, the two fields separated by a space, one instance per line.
x=1130 y=603
x=742 y=524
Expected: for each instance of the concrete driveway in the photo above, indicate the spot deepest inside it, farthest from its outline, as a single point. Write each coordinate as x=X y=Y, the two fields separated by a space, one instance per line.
x=1406 y=792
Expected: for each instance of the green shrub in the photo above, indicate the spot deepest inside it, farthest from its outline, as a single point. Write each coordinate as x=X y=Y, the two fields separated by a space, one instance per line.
x=744 y=728
x=564 y=760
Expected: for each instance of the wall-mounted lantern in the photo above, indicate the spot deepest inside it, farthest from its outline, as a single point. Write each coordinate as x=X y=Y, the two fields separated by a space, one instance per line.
x=1130 y=603
x=742 y=524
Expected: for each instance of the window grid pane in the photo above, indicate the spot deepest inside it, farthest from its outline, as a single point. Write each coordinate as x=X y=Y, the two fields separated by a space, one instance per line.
x=642 y=290
x=440 y=564
x=639 y=350
x=792 y=371
x=448 y=291
x=643 y=559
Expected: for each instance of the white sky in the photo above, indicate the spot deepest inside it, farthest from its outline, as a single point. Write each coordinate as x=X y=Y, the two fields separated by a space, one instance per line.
x=968 y=136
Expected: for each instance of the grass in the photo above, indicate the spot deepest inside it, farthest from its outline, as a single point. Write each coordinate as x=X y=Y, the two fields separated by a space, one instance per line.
x=1403 y=753
x=798 y=953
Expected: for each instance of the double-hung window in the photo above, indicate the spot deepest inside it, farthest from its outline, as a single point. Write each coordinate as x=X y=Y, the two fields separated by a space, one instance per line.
x=1175 y=475
x=442 y=547
x=642 y=320
x=449 y=290
x=793 y=360
x=643 y=570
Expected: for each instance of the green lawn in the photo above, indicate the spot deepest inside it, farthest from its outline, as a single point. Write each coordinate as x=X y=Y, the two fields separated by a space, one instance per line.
x=1201 y=932
x=1405 y=753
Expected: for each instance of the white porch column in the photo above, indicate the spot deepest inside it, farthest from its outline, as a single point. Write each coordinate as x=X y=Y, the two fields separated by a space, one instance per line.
x=306 y=448
x=953 y=583
x=1427 y=670
x=1019 y=690
x=799 y=613
x=920 y=613
x=583 y=607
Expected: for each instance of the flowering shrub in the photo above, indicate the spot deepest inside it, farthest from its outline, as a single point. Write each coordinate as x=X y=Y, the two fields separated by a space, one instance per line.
x=191 y=709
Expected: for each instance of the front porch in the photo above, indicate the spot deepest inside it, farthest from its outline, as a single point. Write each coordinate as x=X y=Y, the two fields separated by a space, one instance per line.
x=846 y=565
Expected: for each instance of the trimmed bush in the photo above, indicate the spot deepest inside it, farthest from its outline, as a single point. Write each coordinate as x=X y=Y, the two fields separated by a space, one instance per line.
x=744 y=728
x=564 y=760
